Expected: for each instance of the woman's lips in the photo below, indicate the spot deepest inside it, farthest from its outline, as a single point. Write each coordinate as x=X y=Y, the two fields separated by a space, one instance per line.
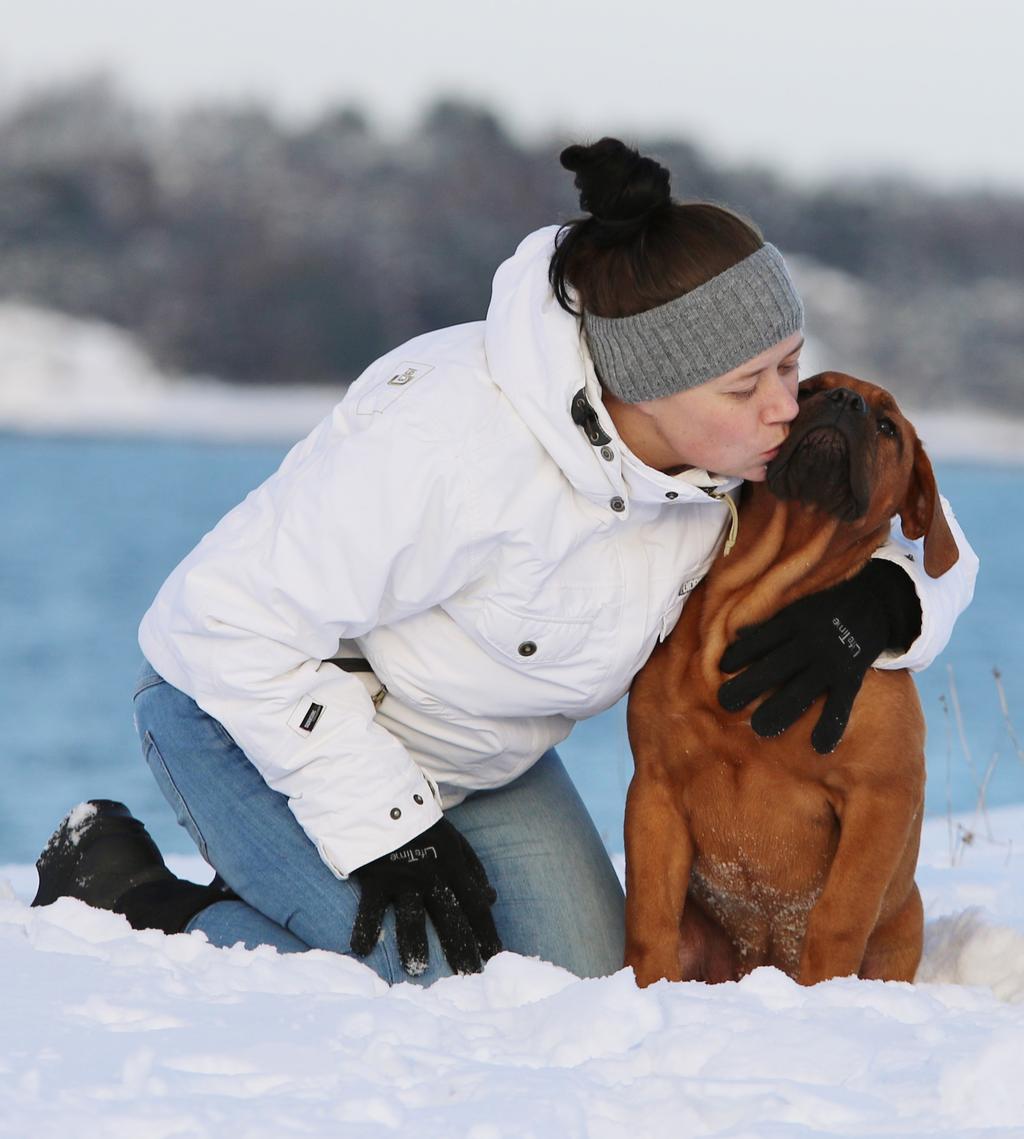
x=769 y=455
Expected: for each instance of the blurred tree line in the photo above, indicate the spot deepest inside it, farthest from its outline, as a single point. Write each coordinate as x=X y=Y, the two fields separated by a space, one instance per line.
x=237 y=247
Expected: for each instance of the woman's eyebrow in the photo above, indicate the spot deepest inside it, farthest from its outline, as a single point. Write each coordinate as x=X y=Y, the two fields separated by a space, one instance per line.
x=758 y=371
x=803 y=341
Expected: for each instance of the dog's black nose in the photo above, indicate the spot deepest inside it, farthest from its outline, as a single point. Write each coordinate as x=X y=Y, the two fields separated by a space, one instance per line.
x=848 y=400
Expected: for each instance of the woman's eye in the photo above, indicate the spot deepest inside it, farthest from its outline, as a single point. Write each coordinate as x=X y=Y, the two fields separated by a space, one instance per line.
x=887 y=427
x=746 y=393
x=789 y=369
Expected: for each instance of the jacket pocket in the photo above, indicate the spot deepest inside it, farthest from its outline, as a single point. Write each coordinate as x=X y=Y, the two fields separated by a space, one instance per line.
x=531 y=641
x=670 y=617
x=671 y=613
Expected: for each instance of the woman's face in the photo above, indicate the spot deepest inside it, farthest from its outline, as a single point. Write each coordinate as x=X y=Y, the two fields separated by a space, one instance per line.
x=731 y=425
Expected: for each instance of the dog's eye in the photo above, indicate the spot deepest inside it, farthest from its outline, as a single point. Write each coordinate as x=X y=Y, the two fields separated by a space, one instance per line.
x=887 y=427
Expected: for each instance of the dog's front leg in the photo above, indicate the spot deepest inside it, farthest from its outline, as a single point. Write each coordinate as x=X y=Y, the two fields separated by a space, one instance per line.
x=659 y=855
x=875 y=829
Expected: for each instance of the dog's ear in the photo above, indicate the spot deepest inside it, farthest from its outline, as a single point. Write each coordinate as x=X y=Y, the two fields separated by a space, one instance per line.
x=921 y=513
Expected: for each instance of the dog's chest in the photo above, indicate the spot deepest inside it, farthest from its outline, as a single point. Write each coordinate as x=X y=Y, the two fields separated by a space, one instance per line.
x=762 y=854
x=765 y=920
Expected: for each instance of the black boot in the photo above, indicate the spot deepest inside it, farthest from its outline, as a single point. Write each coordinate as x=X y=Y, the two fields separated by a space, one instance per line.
x=104 y=856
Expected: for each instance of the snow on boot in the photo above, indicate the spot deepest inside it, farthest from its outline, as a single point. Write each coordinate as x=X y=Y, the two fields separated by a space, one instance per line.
x=99 y=851
x=102 y=855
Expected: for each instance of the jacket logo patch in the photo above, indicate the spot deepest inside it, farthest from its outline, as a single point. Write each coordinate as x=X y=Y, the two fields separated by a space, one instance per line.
x=407 y=373
x=384 y=392
x=313 y=713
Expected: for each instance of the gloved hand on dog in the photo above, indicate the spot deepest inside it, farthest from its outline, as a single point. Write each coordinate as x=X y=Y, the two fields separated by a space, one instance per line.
x=436 y=873
x=823 y=643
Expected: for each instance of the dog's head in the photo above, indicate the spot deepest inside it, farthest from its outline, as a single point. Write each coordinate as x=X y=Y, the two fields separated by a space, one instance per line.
x=851 y=453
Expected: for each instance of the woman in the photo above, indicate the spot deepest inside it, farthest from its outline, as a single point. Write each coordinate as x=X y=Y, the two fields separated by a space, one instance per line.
x=355 y=682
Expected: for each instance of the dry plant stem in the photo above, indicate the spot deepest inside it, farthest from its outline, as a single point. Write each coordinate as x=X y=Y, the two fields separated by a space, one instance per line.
x=949 y=778
x=964 y=836
x=980 y=805
x=955 y=699
x=997 y=674
x=982 y=785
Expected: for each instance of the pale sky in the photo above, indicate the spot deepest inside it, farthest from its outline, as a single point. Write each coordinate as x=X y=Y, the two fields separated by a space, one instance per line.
x=933 y=88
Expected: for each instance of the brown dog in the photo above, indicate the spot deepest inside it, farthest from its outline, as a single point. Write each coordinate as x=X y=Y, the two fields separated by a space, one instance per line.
x=743 y=851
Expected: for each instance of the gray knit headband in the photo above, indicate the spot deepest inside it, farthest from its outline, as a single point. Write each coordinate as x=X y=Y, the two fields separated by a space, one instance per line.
x=703 y=334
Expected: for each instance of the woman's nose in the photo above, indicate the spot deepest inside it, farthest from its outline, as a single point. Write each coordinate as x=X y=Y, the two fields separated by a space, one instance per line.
x=782 y=406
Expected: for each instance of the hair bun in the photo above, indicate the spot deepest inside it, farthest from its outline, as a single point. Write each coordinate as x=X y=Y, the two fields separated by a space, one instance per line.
x=616 y=183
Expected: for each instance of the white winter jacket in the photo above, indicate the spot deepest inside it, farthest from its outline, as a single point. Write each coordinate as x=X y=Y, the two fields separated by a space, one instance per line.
x=504 y=575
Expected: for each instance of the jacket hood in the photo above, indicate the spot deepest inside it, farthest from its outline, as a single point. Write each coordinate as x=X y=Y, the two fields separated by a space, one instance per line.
x=538 y=356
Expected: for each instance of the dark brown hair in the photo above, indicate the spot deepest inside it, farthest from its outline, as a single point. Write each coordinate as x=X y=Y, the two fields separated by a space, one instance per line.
x=638 y=248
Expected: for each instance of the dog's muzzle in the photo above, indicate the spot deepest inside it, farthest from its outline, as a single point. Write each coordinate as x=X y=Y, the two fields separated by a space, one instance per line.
x=827 y=457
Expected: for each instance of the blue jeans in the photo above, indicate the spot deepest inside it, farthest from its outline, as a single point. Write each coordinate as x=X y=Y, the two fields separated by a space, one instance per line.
x=558 y=895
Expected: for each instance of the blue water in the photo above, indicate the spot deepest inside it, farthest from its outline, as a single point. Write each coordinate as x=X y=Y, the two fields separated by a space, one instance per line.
x=91 y=528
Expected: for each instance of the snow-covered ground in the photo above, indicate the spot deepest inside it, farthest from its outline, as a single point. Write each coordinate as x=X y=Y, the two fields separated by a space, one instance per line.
x=65 y=375
x=111 y=1033
x=107 y=1032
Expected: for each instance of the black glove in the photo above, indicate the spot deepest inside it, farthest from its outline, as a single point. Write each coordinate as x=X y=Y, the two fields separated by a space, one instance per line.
x=825 y=642
x=436 y=873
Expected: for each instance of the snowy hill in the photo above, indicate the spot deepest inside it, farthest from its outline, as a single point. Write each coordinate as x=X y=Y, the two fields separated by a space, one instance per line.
x=64 y=375
x=108 y=1032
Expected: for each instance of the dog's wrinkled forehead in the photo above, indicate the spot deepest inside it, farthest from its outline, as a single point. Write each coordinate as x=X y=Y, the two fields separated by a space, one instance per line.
x=877 y=397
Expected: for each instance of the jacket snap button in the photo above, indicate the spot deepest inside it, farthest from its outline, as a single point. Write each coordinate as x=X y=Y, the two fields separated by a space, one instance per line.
x=396 y=813
x=607 y=453
x=527 y=649
x=418 y=800
x=671 y=494
x=617 y=504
